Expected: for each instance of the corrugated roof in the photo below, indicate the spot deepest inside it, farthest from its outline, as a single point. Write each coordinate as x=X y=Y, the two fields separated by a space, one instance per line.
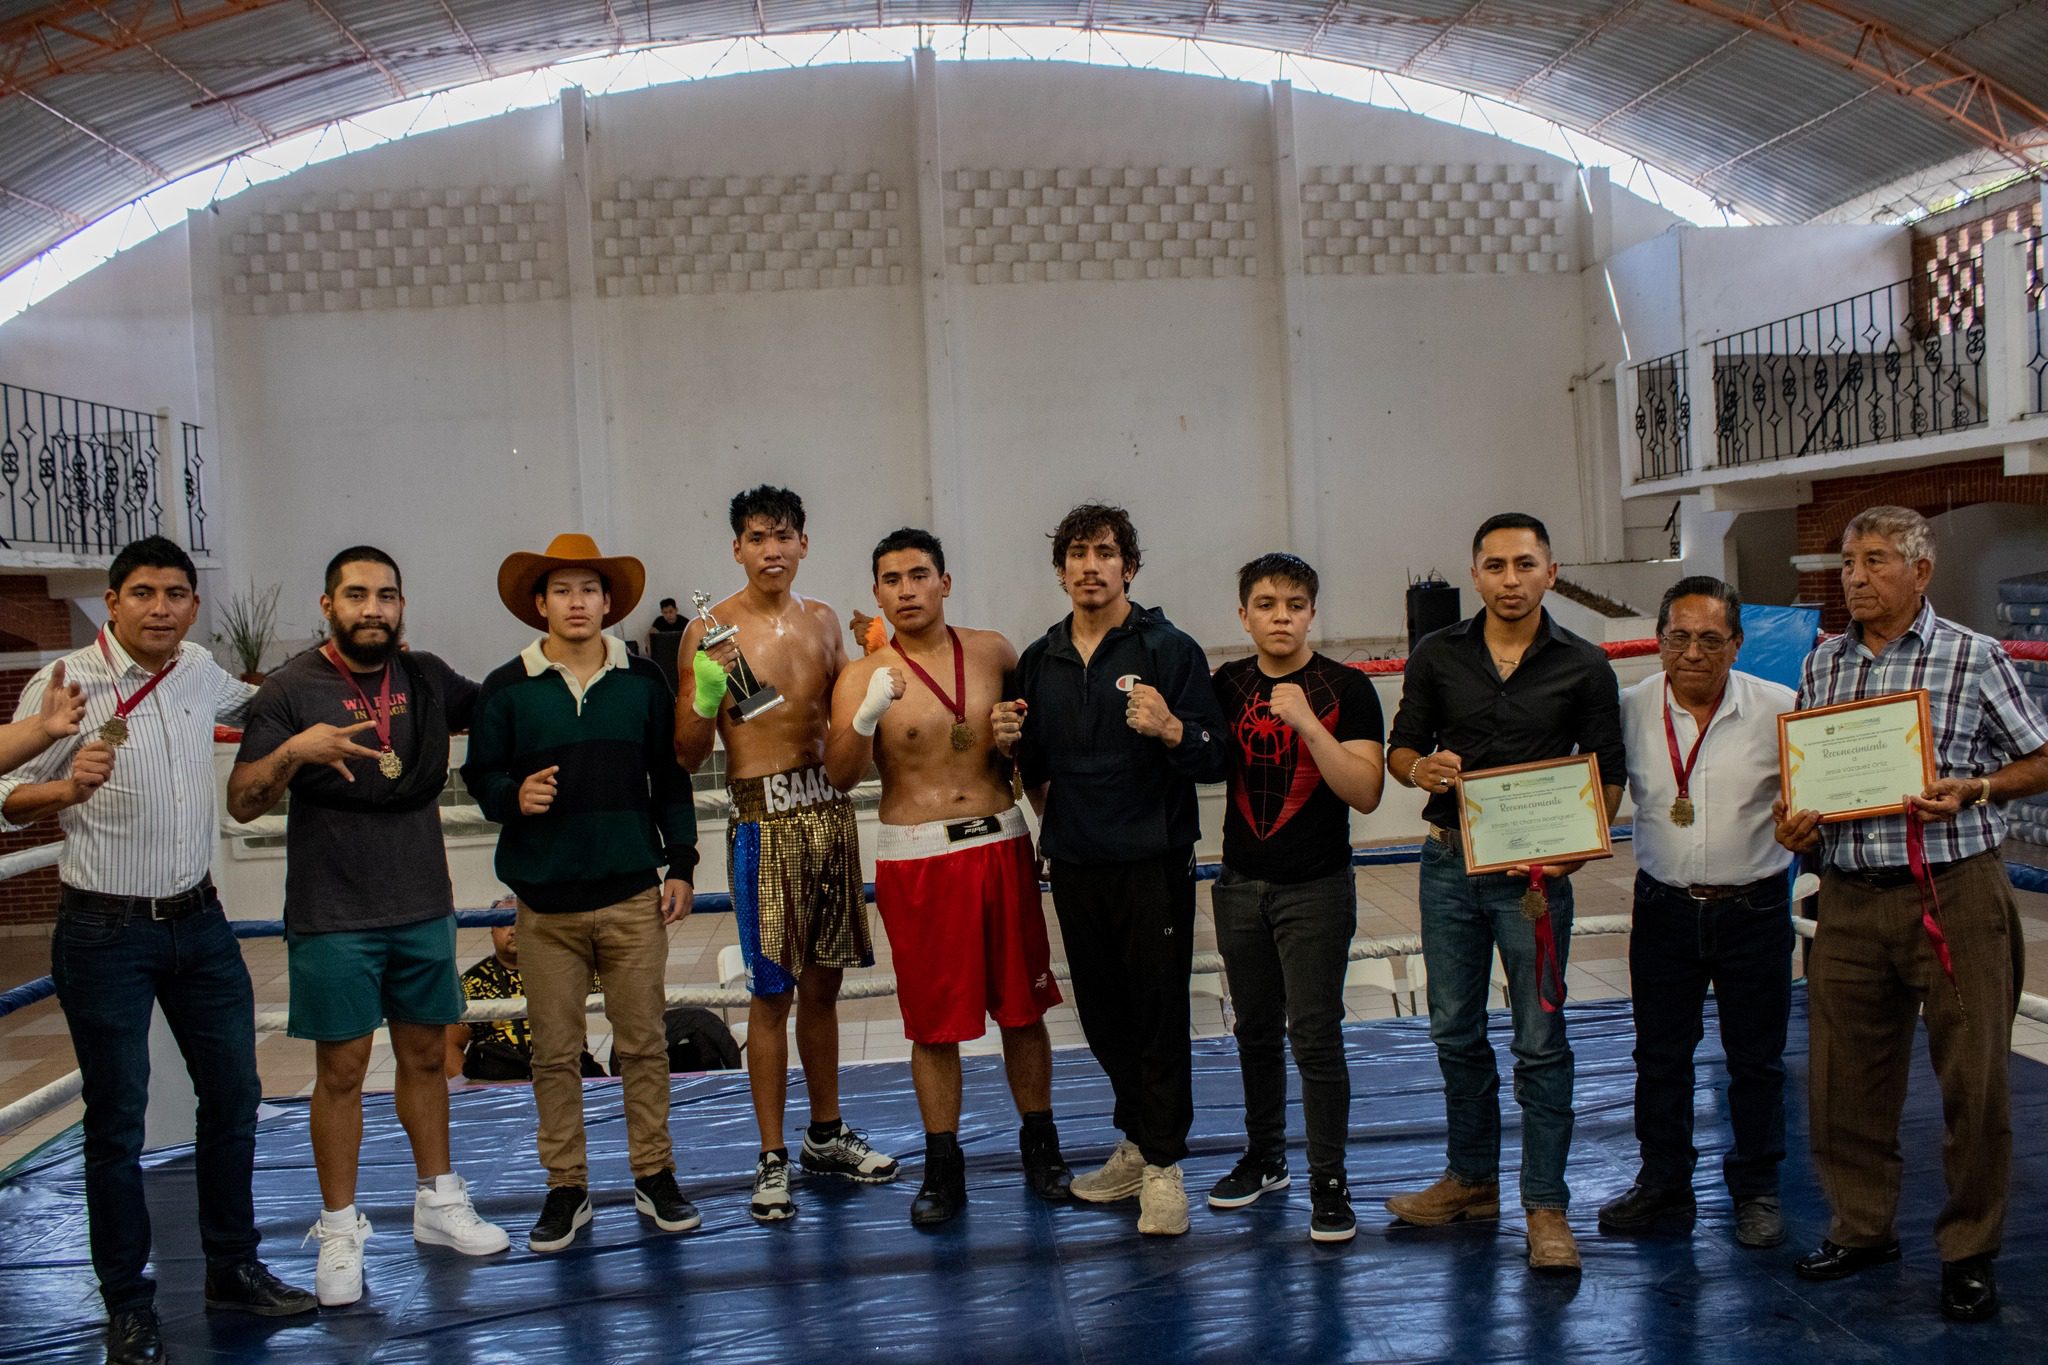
x=1780 y=133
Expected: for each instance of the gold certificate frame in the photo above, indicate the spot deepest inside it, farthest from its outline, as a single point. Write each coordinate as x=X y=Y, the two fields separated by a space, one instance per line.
x=1548 y=812
x=1856 y=759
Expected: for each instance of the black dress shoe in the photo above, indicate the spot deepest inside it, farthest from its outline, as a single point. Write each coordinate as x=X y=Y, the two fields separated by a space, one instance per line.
x=251 y=1288
x=1969 y=1293
x=1836 y=1262
x=1759 y=1221
x=1643 y=1209
x=133 y=1337
x=944 y=1192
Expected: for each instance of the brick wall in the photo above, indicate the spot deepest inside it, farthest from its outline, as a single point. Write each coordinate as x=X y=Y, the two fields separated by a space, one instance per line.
x=32 y=897
x=1929 y=492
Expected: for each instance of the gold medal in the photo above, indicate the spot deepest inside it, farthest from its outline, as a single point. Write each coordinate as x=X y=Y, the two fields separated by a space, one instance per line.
x=1535 y=905
x=1681 y=811
x=390 y=764
x=963 y=737
x=115 y=731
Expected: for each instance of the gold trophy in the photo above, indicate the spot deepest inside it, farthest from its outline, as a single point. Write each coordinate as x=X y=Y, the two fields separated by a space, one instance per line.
x=748 y=695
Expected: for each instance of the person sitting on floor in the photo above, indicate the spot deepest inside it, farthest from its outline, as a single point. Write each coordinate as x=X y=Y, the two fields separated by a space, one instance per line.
x=498 y=1049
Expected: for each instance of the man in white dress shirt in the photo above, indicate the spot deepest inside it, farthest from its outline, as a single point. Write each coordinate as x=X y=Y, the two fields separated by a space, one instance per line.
x=1711 y=908
x=139 y=927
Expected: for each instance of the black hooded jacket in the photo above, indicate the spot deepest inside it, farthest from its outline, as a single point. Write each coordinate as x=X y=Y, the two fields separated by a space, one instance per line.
x=1116 y=796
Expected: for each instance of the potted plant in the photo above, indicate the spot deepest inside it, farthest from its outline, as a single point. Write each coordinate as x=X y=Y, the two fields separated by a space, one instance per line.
x=247 y=622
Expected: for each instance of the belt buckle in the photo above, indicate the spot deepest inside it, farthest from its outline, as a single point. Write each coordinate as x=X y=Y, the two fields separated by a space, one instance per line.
x=155 y=905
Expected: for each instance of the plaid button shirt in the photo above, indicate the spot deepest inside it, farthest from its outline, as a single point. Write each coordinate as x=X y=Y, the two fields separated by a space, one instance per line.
x=1982 y=718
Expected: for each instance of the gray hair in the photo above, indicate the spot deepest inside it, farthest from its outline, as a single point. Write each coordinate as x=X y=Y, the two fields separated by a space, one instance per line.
x=1902 y=526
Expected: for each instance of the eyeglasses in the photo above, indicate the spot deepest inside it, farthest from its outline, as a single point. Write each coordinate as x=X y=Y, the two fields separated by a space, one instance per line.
x=1679 y=641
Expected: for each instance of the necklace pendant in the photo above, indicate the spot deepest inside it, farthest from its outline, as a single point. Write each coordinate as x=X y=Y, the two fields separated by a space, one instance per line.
x=962 y=736
x=114 y=731
x=1681 y=811
x=1535 y=905
x=390 y=764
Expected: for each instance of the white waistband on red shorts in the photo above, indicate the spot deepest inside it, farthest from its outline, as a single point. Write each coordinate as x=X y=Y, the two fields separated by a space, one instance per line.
x=908 y=843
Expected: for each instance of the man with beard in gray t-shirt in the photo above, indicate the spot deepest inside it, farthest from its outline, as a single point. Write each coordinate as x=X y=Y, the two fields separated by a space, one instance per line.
x=358 y=731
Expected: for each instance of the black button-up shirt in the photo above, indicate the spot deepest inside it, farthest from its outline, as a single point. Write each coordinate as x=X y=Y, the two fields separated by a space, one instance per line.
x=1562 y=699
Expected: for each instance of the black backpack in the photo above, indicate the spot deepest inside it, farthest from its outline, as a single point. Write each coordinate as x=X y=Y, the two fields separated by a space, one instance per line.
x=698 y=1040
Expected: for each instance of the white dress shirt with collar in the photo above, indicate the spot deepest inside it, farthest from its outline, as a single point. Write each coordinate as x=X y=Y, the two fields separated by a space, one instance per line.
x=151 y=830
x=1730 y=841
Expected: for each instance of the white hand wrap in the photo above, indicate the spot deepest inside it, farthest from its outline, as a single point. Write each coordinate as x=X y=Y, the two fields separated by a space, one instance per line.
x=874 y=703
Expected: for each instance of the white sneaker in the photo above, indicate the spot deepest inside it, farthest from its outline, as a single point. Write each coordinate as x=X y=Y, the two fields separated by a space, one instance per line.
x=338 y=1280
x=1162 y=1203
x=1117 y=1178
x=442 y=1216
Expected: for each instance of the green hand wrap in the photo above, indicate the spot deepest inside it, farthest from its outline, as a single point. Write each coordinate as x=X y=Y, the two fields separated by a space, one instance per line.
x=711 y=684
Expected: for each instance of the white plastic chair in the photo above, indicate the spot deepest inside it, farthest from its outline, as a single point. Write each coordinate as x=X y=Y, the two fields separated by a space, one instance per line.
x=1210 y=986
x=1377 y=972
x=1416 y=969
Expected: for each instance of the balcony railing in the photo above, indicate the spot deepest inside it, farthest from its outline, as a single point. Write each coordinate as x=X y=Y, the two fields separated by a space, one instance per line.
x=1860 y=371
x=1663 y=419
x=84 y=477
x=2037 y=323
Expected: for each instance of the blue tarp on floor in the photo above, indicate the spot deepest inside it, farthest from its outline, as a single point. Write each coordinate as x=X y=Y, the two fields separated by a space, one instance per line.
x=1016 y=1280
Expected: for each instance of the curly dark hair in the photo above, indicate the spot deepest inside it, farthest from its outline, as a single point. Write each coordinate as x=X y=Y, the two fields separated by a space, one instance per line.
x=777 y=505
x=1089 y=520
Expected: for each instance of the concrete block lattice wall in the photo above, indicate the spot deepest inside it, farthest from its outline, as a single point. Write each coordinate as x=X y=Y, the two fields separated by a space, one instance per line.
x=328 y=253
x=1101 y=223
x=738 y=234
x=1433 y=220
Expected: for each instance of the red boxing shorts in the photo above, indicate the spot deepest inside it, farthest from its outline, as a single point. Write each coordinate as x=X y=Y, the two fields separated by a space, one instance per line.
x=966 y=927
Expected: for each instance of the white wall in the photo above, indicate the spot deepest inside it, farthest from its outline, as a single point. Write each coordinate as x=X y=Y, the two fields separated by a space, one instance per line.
x=449 y=434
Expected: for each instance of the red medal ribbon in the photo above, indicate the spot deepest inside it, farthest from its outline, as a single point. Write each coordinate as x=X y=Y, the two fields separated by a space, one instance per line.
x=957 y=707
x=122 y=706
x=1930 y=899
x=379 y=713
x=1549 y=977
x=1683 y=772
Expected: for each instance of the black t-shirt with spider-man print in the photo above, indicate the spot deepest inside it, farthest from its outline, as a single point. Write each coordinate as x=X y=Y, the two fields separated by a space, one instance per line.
x=1281 y=822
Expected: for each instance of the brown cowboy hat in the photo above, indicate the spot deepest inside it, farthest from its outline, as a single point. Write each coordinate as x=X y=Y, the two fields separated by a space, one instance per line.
x=521 y=575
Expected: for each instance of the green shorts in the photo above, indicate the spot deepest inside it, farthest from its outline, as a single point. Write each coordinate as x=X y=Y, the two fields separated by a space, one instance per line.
x=345 y=984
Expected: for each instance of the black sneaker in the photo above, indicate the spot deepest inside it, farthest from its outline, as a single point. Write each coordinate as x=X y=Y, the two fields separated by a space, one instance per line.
x=251 y=1288
x=133 y=1337
x=657 y=1197
x=944 y=1192
x=567 y=1209
x=1331 y=1220
x=1251 y=1177
x=847 y=1154
x=1045 y=1170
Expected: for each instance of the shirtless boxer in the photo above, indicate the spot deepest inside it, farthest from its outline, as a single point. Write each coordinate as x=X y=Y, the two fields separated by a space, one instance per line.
x=955 y=877
x=790 y=848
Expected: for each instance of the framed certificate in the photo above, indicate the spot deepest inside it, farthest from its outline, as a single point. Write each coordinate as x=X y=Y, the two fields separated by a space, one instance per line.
x=1549 y=812
x=1857 y=758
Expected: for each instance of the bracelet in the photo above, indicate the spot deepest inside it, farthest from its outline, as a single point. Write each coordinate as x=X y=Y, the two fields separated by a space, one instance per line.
x=1413 y=768
x=1985 y=799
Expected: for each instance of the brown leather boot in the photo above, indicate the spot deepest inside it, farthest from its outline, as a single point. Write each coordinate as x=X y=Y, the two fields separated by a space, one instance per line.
x=1447 y=1201
x=1551 y=1246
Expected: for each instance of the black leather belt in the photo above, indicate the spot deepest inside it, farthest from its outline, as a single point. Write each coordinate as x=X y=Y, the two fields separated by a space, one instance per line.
x=1765 y=886
x=1887 y=878
x=144 y=907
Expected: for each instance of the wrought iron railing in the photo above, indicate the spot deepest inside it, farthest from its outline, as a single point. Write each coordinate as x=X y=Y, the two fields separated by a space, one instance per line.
x=76 y=475
x=1856 y=372
x=1663 y=418
x=2037 y=322
x=195 y=487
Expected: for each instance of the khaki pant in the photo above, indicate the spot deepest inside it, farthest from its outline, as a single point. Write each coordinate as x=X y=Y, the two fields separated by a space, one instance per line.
x=626 y=945
x=1873 y=972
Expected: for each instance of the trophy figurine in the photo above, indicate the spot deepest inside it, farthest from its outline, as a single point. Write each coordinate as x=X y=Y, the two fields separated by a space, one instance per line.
x=750 y=696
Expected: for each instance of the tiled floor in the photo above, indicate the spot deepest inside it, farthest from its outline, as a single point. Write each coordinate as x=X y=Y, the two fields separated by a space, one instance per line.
x=35 y=1049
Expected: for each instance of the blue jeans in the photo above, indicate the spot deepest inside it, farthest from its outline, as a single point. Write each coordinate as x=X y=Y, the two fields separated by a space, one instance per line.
x=110 y=969
x=1463 y=920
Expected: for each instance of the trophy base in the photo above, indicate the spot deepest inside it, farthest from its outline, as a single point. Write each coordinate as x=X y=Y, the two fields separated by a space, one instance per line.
x=756 y=703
